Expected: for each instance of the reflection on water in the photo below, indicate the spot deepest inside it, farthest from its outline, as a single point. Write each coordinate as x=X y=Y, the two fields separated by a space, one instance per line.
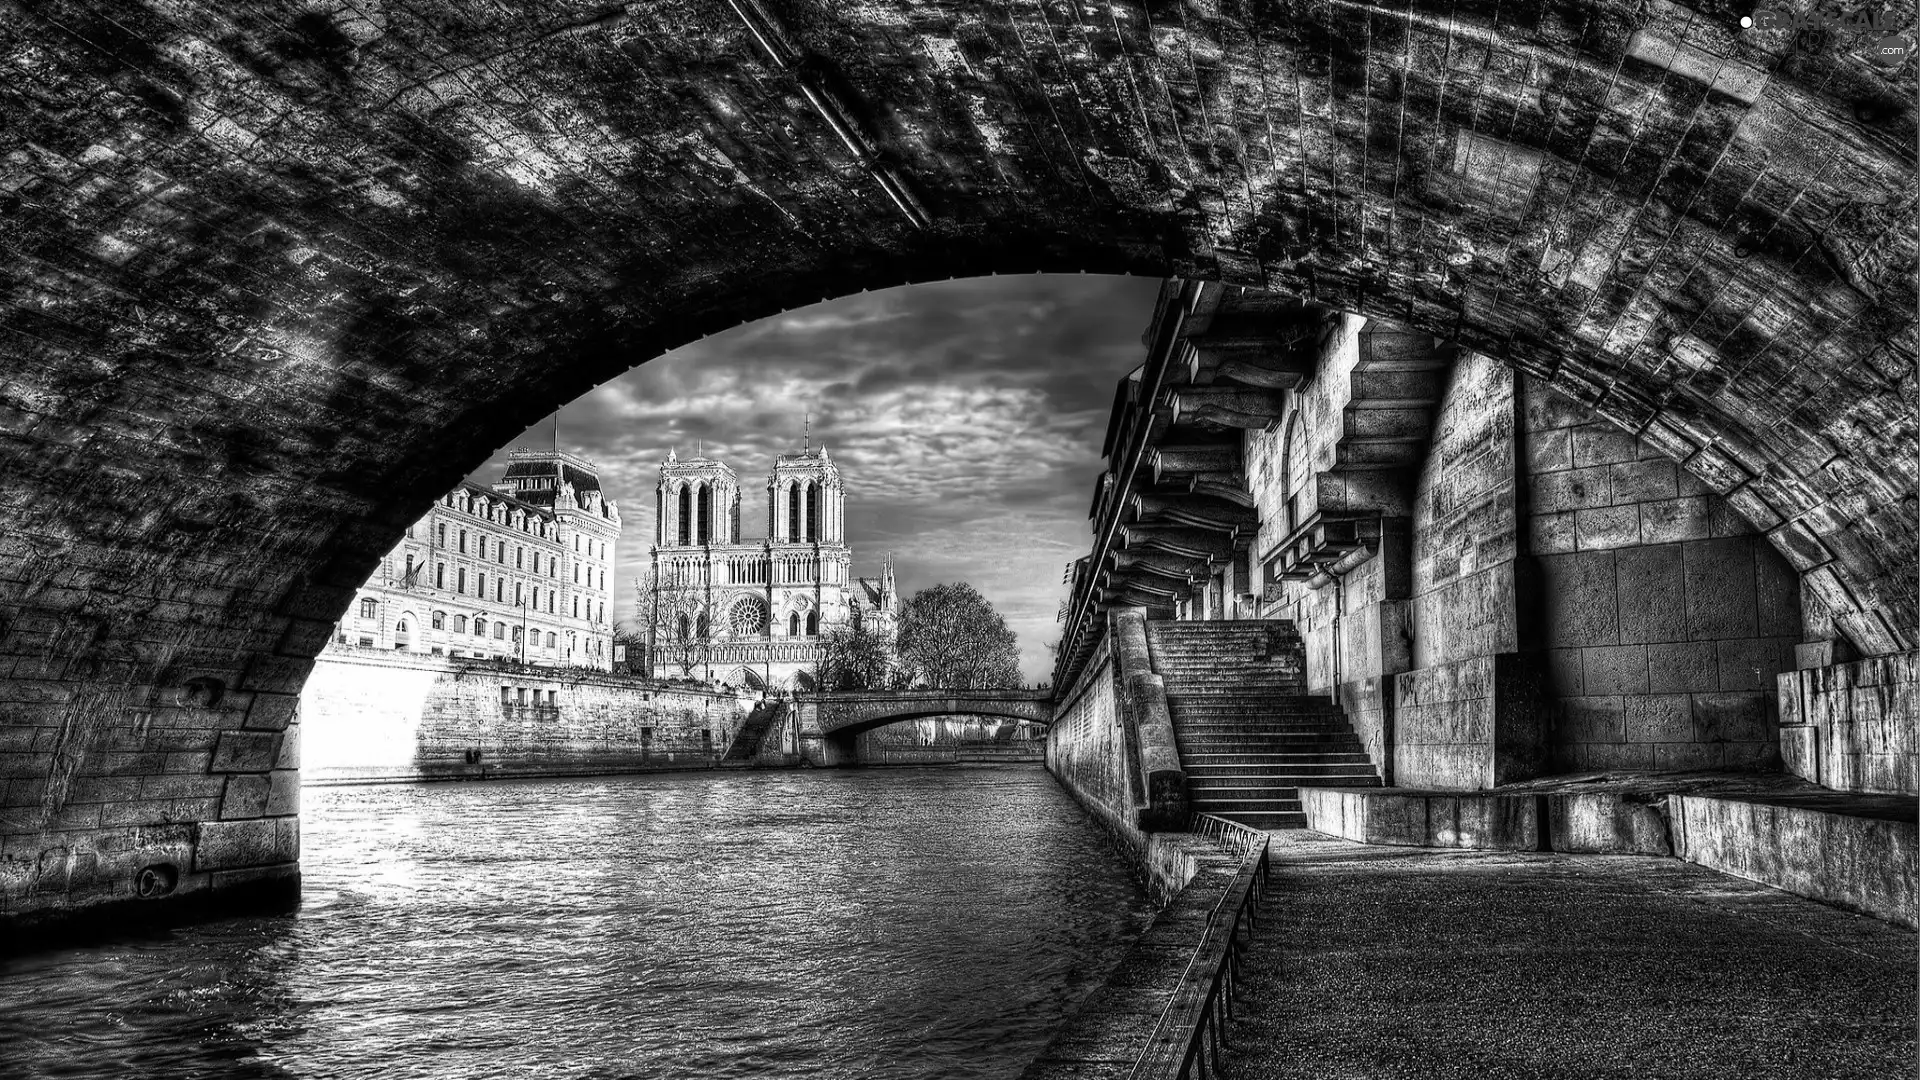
x=900 y=923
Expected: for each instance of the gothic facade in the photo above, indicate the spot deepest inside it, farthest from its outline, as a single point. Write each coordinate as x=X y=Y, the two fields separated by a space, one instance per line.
x=518 y=571
x=754 y=612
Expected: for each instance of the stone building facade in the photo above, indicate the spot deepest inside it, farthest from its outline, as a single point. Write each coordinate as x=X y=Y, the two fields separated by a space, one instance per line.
x=752 y=612
x=522 y=570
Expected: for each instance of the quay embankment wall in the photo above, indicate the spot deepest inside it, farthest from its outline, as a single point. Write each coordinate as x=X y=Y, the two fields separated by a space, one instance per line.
x=1111 y=747
x=379 y=717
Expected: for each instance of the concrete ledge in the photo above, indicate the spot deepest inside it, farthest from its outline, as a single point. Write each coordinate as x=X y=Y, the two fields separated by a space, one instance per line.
x=1855 y=852
x=1425 y=819
x=1855 y=861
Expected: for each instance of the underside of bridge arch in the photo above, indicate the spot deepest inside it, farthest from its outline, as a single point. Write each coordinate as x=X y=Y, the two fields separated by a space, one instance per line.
x=865 y=724
x=278 y=274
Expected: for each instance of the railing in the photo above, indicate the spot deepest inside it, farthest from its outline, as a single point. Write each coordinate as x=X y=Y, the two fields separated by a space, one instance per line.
x=1240 y=840
x=1188 y=1038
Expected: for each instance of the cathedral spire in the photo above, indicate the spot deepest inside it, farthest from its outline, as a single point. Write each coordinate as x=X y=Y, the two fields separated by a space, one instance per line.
x=806 y=431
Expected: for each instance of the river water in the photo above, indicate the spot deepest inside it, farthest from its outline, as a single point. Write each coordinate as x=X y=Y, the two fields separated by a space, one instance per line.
x=906 y=923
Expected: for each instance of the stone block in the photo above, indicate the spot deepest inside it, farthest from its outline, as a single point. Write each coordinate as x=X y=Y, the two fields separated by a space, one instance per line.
x=1733 y=717
x=1606 y=527
x=1550 y=534
x=245 y=751
x=1659 y=718
x=1593 y=719
x=1620 y=756
x=272 y=712
x=1723 y=520
x=229 y=845
x=1683 y=667
x=1549 y=451
x=1499 y=822
x=1669 y=521
x=1615 y=669
x=283 y=793
x=289 y=755
x=1748 y=663
x=1651 y=593
x=1600 y=444
x=1566 y=672
x=1606 y=823
x=1674 y=757
x=1720 y=588
x=1862 y=863
x=1577 y=489
x=246 y=796
x=1577 y=591
x=1644 y=481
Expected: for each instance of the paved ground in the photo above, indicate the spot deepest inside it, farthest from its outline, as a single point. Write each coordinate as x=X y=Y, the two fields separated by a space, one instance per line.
x=1377 y=962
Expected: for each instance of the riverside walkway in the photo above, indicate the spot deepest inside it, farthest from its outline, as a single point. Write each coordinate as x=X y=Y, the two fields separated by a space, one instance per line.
x=1386 y=962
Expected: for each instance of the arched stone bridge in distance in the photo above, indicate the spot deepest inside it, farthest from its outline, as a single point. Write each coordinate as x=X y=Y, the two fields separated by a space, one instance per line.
x=849 y=712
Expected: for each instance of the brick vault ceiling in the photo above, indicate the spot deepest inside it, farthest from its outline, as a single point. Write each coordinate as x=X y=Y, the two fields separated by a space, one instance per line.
x=277 y=274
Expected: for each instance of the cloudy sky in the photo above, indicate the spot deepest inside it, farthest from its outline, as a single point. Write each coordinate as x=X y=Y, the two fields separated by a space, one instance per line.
x=966 y=417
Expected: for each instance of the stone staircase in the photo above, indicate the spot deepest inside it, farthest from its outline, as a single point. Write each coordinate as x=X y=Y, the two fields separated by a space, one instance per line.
x=1249 y=736
x=746 y=742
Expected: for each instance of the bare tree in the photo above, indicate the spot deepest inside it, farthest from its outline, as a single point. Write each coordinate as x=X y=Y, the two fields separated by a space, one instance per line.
x=679 y=618
x=853 y=657
x=950 y=636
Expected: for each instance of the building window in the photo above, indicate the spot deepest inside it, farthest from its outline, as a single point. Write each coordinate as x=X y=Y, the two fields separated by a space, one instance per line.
x=506 y=695
x=686 y=514
x=519 y=556
x=443 y=535
x=366 y=643
x=499 y=631
x=479 y=627
x=368 y=607
x=439 y=575
x=459 y=624
x=553 y=640
x=516 y=635
x=481 y=592
x=793 y=625
x=603 y=579
x=576 y=573
x=553 y=701
x=499 y=591
x=409 y=574
x=813 y=623
x=536 y=598
x=480 y=543
x=437 y=651
x=439 y=620
x=462 y=581
x=813 y=510
x=463 y=541
x=576 y=607
x=793 y=511
x=519 y=594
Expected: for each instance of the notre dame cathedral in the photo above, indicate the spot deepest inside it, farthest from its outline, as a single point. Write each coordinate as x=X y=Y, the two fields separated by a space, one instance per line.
x=751 y=612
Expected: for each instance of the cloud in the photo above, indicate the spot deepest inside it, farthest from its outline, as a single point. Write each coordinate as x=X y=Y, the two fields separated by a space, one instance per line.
x=965 y=415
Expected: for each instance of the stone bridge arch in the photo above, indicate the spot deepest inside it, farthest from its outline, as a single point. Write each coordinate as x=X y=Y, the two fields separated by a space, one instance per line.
x=845 y=714
x=273 y=284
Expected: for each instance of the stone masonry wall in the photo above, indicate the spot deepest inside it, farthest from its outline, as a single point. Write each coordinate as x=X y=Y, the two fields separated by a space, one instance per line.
x=1468 y=714
x=1351 y=656
x=387 y=718
x=1854 y=727
x=1665 y=616
x=1087 y=749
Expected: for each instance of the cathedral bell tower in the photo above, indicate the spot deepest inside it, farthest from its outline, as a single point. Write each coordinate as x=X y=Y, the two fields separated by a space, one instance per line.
x=697 y=503
x=806 y=501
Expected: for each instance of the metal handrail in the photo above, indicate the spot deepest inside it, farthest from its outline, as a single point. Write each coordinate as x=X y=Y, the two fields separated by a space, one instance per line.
x=1239 y=839
x=1191 y=1031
